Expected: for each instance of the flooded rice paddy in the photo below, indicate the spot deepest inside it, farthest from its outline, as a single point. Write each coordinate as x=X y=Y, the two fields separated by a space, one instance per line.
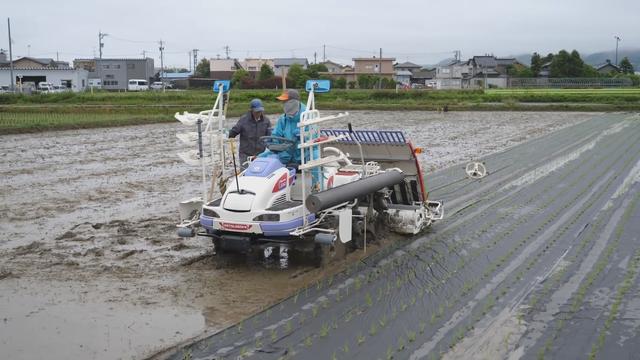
x=91 y=266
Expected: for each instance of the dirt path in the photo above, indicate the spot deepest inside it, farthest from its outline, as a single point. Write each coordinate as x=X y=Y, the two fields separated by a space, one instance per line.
x=90 y=264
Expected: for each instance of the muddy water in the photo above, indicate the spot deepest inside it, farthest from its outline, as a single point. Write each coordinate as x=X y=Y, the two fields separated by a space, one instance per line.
x=90 y=264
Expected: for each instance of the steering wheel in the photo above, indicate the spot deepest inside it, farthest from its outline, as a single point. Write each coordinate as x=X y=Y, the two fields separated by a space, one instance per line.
x=277 y=144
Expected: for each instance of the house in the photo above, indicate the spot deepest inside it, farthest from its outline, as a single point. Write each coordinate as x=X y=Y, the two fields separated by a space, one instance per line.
x=374 y=66
x=115 y=73
x=451 y=75
x=223 y=69
x=403 y=77
x=332 y=67
x=253 y=66
x=607 y=68
x=423 y=77
x=407 y=66
x=27 y=62
x=281 y=65
x=545 y=70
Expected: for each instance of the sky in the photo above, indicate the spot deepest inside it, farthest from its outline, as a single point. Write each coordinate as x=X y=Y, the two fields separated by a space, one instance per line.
x=423 y=32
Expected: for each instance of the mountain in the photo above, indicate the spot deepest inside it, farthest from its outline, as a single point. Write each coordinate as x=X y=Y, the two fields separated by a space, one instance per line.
x=599 y=58
x=594 y=59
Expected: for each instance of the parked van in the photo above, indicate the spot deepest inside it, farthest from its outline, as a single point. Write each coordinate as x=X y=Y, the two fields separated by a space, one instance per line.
x=138 y=85
x=45 y=87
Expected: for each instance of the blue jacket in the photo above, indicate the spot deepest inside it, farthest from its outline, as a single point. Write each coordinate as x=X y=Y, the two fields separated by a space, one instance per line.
x=287 y=127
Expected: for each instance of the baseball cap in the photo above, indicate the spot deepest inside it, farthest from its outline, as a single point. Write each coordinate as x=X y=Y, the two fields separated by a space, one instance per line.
x=256 y=105
x=290 y=94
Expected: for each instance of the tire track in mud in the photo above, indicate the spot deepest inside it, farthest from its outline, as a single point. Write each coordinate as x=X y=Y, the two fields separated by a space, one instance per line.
x=364 y=304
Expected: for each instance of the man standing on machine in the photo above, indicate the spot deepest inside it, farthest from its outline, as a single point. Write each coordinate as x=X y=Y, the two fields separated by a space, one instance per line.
x=251 y=126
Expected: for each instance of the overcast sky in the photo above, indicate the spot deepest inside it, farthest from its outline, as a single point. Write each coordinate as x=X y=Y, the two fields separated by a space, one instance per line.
x=424 y=32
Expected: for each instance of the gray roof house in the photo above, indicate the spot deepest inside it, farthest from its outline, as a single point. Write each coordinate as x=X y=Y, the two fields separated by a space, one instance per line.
x=406 y=66
x=281 y=65
x=607 y=68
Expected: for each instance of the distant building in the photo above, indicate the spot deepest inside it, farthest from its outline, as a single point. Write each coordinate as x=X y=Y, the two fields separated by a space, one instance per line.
x=253 y=66
x=607 y=68
x=374 y=66
x=223 y=69
x=407 y=66
x=424 y=77
x=332 y=67
x=281 y=65
x=403 y=77
x=29 y=72
x=115 y=73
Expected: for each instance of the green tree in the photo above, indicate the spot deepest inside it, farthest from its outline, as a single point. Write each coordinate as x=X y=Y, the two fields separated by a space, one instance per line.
x=238 y=77
x=625 y=66
x=297 y=75
x=313 y=70
x=203 y=70
x=266 y=72
x=340 y=83
x=536 y=63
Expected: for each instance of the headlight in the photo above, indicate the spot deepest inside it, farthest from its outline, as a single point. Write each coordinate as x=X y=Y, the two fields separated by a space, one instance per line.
x=267 y=217
x=210 y=213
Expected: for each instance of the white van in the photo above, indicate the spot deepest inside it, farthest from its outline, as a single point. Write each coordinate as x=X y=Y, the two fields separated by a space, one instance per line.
x=45 y=88
x=138 y=85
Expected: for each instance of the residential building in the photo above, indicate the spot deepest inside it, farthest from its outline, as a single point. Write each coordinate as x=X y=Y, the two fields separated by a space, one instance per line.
x=607 y=68
x=254 y=64
x=424 y=77
x=477 y=72
x=451 y=75
x=407 y=66
x=332 y=67
x=281 y=65
x=223 y=69
x=115 y=73
x=403 y=77
x=374 y=66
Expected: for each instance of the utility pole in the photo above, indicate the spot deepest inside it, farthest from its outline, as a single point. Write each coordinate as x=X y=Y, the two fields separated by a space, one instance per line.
x=162 y=63
x=11 y=56
x=101 y=36
x=618 y=39
x=315 y=57
x=380 y=70
x=144 y=54
x=190 y=63
x=324 y=53
x=57 y=56
x=226 y=50
x=195 y=59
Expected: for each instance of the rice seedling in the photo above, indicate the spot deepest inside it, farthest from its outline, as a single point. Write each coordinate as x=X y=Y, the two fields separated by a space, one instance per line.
x=373 y=329
x=411 y=336
x=360 y=339
x=308 y=341
x=324 y=330
x=345 y=347
x=401 y=344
